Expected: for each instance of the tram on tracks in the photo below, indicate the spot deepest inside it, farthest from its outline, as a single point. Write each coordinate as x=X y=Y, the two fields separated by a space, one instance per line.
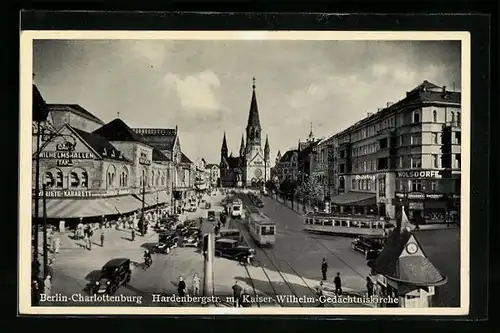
x=262 y=228
x=346 y=225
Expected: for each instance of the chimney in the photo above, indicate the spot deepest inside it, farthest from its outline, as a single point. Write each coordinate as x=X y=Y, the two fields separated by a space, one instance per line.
x=444 y=89
x=389 y=103
x=369 y=114
x=379 y=109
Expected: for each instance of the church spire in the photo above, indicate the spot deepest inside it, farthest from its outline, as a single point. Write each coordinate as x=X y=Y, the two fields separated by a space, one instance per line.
x=253 y=115
x=311 y=135
x=266 y=149
x=224 y=144
x=242 y=147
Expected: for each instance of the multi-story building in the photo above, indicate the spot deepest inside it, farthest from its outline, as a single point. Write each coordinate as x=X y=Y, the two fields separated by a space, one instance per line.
x=287 y=167
x=322 y=166
x=214 y=175
x=305 y=156
x=406 y=153
x=73 y=115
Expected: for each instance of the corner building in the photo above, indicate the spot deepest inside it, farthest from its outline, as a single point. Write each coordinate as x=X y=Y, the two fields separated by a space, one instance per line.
x=408 y=153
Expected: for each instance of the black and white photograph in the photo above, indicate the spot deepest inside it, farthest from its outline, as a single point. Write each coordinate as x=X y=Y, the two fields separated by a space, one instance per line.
x=245 y=172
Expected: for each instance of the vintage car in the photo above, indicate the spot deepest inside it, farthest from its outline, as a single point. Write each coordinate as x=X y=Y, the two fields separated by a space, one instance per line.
x=211 y=215
x=370 y=246
x=166 y=242
x=191 y=239
x=230 y=248
x=229 y=234
x=114 y=273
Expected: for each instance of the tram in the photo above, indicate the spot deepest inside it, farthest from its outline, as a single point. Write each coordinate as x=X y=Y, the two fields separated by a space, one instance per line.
x=346 y=225
x=262 y=229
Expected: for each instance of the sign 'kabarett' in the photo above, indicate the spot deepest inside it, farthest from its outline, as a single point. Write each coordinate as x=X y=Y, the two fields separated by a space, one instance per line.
x=418 y=174
x=83 y=193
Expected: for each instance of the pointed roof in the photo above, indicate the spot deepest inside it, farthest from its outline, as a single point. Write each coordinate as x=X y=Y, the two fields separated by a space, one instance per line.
x=410 y=268
x=266 y=146
x=100 y=145
x=76 y=110
x=224 y=143
x=117 y=130
x=253 y=114
x=427 y=86
x=185 y=159
x=242 y=146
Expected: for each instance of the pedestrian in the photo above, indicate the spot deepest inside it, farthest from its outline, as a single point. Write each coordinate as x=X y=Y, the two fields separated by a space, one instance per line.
x=90 y=242
x=57 y=245
x=236 y=294
x=181 y=289
x=47 y=286
x=245 y=300
x=35 y=293
x=319 y=293
x=196 y=284
x=369 y=286
x=338 y=285
x=102 y=239
x=132 y=234
x=86 y=240
x=324 y=269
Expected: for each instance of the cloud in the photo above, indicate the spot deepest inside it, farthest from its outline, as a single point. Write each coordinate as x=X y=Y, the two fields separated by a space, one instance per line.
x=197 y=92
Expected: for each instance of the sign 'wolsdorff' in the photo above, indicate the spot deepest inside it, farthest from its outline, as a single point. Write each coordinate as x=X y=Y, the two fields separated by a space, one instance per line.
x=418 y=174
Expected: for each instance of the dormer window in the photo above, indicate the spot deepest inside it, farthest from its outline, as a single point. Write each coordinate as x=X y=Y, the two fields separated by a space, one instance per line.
x=104 y=152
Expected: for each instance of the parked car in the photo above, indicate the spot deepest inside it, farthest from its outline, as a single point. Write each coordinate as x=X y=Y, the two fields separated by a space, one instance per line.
x=166 y=242
x=370 y=246
x=192 y=239
x=230 y=248
x=229 y=234
x=114 y=273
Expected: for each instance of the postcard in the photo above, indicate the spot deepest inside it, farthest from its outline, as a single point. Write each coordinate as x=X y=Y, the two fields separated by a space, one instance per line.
x=244 y=172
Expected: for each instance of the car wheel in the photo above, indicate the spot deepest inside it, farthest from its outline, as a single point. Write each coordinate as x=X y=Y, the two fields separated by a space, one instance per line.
x=112 y=289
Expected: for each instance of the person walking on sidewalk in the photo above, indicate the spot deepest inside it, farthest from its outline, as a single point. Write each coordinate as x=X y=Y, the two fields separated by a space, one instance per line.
x=132 y=235
x=319 y=293
x=47 y=286
x=35 y=293
x=86 y=240
x=102 y=239
x=338 y=285
x=324 y=269
x=196 y=284
x=181 y=289
x=236 y=294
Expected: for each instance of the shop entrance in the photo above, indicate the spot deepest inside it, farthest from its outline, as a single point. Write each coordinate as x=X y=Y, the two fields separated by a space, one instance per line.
x=381 y=210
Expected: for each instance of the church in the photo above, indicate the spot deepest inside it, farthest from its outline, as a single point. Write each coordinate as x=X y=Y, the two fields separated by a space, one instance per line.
x=252 y=167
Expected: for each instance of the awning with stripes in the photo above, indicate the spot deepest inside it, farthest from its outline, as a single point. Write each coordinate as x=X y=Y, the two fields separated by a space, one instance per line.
x=125 y=204
x=76 y=208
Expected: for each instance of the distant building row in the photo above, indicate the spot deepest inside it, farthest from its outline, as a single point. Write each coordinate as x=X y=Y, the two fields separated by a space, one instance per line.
x=408 y=152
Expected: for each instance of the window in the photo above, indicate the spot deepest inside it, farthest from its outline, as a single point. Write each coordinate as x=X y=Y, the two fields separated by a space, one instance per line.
x=364 y=166
x=434 y=137
x=434 y=116
x=435 y=161
x=59 y=179
x=434 y=185
x=49 y=179
x=416 y=116
x=458 y=119
x=416 y=162
x=381 y=187
x=416 y=185
x=84 y=179
x=369 y=185
x=353 y=184
x=110 y=181
x=452 y=117
x=458 y=138
x=458 y=162
x=74 y=181
x=416 y=139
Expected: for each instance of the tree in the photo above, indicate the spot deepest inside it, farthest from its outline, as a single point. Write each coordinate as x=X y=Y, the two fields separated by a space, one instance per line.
x=287 y=187
x=310 y=190
x=270 y=185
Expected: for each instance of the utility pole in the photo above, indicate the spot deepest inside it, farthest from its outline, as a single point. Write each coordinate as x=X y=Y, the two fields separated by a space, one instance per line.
x=37 y=195
x=45 y=258
x=143 y=220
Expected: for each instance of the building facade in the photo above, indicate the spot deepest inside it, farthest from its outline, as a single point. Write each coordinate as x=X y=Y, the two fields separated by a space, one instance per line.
x=406 y=153
x=322 y=166
x=214 y=177
x=252 y=166
x=287 y=166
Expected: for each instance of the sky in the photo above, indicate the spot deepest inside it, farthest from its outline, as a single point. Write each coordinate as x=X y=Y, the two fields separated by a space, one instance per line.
x=205 y=87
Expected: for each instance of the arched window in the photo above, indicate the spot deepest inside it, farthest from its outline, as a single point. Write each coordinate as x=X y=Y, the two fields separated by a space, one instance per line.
x=434 y=116
x=152 y=182
x=124 y=177
x=158 y=179
x=458 y=118
x=452 y=117
x=110 y=177
x=84 y=179
x=59 y=179
x=74 y=180
x=49 y=179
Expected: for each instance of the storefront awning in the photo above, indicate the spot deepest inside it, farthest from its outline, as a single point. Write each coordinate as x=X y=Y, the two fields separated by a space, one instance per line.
x=76 y=208
x=150 y=199
x=355 y=199
x=125 y=203
x=163 y=197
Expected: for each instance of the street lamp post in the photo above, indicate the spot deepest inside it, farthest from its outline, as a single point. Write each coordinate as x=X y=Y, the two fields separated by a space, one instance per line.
x=142 y=208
